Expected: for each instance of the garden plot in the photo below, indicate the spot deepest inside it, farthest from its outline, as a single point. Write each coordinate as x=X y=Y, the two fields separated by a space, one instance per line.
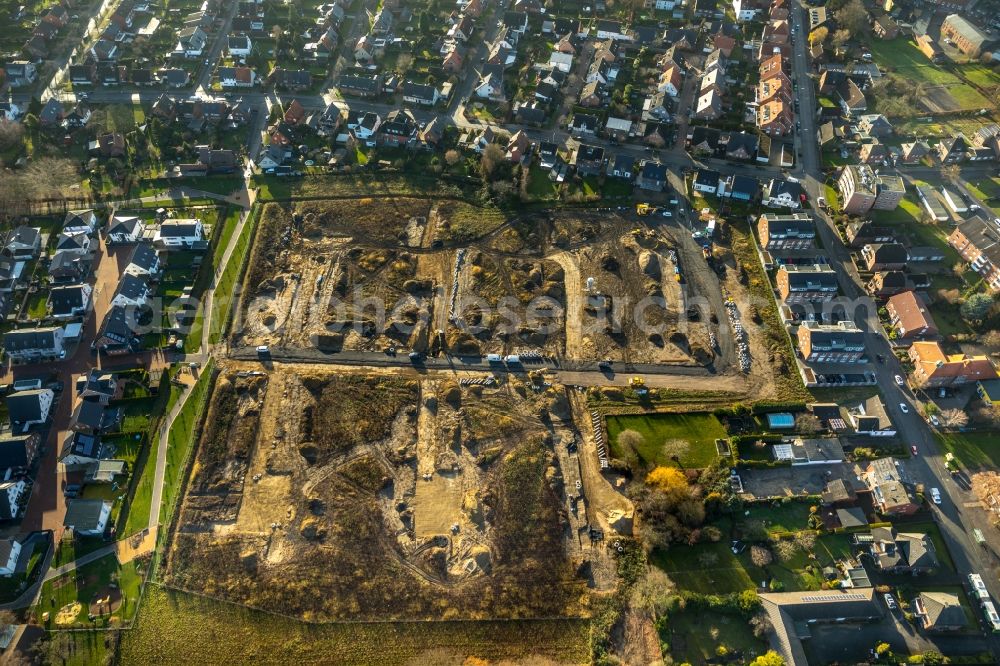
x=328 y=496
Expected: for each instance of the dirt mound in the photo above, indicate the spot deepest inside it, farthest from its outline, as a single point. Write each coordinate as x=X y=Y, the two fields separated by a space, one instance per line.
x=67 y=614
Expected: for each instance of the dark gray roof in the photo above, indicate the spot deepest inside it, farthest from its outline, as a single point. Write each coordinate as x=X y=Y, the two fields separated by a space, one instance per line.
x=30 y=338
x=707 y=177
x=144 y=256
x=25 y=406
x=13 y=451
x=64 y=299
x=132 y=287
x=83 y=514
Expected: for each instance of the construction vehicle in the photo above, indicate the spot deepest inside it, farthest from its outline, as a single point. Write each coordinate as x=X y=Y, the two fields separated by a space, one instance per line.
x=643 y=209
x=638 y=384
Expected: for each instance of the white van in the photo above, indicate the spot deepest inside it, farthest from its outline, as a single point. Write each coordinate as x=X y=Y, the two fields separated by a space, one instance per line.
x=493 y=358
x=513 y=359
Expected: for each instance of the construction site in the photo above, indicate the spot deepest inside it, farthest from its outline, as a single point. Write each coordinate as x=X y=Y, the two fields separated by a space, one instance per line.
x=418 y=275
x=383 y=495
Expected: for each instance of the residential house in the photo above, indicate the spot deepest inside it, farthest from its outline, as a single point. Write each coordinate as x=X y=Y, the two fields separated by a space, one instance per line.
x=786 y=232
x=174 y=77
x=92 y=417
x=740 y=188
x=652 y=176
x=608 y=29
x=132 y=291
x=69 y=301
x=621 y=166
x=51 y=114
x=584 y=123
x=939 y=611
x=175 y=234
x=592 y=95
x=398 y=129
x=144 y=262
x=419 y=93
x=978 y=243
x=360 y=85
x=903 y=552
x=80 y=220
x=885 y=28
x=237 y=77
x=861 y=190
x=490 y=86
x=87 y=517
x=852 y=100
x=709 y=105
x=110 y=144
x=77 y=242
x=806 y=284
x=17 y=453
x=742 y=147
x=875 y=124
x=929 y=48
x=124 y=229
x=842 y=342
x=67 y=267
x=518 y=146
x=20 y=73
x=12 y=498
x=516 y=22
x=884 y=480
x=101 y=385
x=191 y=42
x=910 y=317
x=781 y=193
x=933 y=368
x=239 y=46
x=884 y=256
x=870 y=419
x=888 y=283
x=118 y=332
x=24 y=243
x=27 y=409
x=34 y=345
x=914 y=151
x=706 y=181
x=290 y=79
x=589 y=160
x=954 y=149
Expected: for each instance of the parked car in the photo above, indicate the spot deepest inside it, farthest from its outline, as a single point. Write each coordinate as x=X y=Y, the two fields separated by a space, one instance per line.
x=934 y=420
x=899 y=380
x=935 y=495
x=890 y=603
x=913 y=450
x=903 y=408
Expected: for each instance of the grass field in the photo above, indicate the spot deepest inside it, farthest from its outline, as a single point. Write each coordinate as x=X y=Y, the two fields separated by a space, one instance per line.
x=713 y=568
x=778 y=517
x=84 y=583
x=691 y=437
x=174 y=627
x=181 y=439
x=693 y=638
x=980 y=75
x=225 y=287
x=975 y=450
x=903 y=57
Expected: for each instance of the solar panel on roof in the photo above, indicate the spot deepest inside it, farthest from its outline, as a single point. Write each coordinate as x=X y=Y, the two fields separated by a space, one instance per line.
x=838 y=597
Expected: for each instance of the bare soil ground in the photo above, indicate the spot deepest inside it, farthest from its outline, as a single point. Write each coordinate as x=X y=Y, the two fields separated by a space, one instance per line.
x=327 y=496
x=358 y=275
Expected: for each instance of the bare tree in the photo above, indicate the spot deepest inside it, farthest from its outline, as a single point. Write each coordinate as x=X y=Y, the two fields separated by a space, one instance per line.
x=492 y=157
x=785 y=550
x=11 y=134
x=840 y=37
x=854 y=17
x=760 y=556
x=950 y=172
x=452 y=157
x=954 y=418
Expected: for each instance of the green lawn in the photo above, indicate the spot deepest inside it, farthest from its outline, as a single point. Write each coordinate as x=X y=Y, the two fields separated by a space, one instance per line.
x=225 y=288
x=38 y=305
x=694 y=637
x=181 y=439
x=540 y=186
x=136 y=414
x=712 y=568
x=902 y=55
x=980 y=75
x=690 y=437
x=975 y=450
x=71 y=548
x=780 y=517
x=83 y=584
